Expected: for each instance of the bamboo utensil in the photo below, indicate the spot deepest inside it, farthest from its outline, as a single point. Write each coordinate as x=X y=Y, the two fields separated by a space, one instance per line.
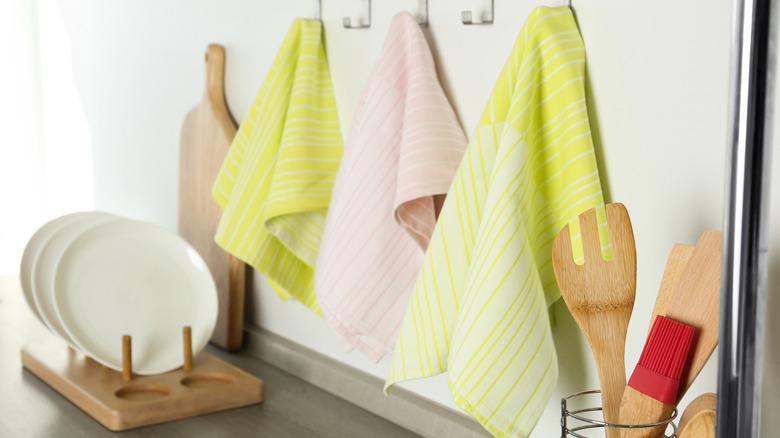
x=695 y=302
x=701 y=426
x=701 y=404
x=651 y=393
x=698 y=420
x=675 y=265
x=600 y=295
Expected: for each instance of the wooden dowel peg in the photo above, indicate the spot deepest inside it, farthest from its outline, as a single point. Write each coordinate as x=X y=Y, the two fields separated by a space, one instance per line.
x=187 y=342
x=127 y=358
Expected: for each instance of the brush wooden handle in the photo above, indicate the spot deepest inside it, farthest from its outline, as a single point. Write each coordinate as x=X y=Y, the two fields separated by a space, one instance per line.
x=635 y=407
x=638 y=408
x=687 y=293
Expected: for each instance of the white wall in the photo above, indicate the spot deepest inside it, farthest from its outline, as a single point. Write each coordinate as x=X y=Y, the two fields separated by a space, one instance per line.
x=20 y=123
x=658 y=75
x=45 y=152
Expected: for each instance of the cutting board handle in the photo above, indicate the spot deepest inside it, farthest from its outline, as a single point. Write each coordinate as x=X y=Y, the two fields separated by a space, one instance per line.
x=215 y=73
x=215 y=86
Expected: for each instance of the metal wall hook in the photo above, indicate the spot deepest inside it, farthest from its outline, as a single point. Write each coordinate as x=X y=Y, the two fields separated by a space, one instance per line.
x=362 y=25
x=487 y=16
x=318 y=9
x=422 y=18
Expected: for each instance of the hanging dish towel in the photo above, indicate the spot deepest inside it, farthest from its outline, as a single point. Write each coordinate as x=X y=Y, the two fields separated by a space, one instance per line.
x=479 y=308
x=402 y=153
x=277 y=178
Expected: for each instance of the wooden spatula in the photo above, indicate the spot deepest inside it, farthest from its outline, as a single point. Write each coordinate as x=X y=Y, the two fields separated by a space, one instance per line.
x=600 y=295
x=675 y=265
x=694 y=301
x=206 y=135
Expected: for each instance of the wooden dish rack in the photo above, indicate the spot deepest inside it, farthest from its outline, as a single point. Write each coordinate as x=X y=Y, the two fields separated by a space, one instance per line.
x=122 y=401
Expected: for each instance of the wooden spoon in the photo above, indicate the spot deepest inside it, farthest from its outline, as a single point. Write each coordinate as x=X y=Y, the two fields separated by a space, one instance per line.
x=600 y=295
x=705 y=402
x=701 y=426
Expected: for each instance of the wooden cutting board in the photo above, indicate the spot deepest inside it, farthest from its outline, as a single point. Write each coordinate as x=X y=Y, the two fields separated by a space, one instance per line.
x=206 y=135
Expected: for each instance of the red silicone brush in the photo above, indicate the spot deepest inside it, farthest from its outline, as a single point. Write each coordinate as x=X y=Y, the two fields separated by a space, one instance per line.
x=651 y=393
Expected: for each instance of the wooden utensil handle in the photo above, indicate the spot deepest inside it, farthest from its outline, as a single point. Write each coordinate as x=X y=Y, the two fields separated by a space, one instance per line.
x=638 y=408
x=612 y=379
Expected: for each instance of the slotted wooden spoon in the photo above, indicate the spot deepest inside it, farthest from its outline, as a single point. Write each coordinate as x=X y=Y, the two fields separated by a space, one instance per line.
x=600 y=295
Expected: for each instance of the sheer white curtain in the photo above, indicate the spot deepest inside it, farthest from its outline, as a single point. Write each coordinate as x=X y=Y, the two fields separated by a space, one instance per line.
x=45 y=149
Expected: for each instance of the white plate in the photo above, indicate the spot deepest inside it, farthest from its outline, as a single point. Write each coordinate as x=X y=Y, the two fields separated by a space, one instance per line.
x=137 y=279
x=42 y=272
x=33 y=249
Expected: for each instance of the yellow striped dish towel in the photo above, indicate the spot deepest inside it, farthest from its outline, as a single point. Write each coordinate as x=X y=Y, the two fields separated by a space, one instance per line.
x=275 y=183
x=479 y=308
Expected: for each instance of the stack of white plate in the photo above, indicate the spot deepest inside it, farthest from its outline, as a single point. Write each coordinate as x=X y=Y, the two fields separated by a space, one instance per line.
x=92 y=277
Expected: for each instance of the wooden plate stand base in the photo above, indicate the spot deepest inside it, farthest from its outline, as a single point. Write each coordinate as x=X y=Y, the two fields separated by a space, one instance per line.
x=122 y=401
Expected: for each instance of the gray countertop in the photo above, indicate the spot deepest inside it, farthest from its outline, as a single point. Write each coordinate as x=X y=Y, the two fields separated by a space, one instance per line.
x=292 y=407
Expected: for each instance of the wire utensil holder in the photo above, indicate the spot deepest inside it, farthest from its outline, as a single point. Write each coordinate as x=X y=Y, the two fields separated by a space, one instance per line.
x=574 y=422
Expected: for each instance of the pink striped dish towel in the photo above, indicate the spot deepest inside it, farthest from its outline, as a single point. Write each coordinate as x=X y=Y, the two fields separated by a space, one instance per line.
x=401 y=156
